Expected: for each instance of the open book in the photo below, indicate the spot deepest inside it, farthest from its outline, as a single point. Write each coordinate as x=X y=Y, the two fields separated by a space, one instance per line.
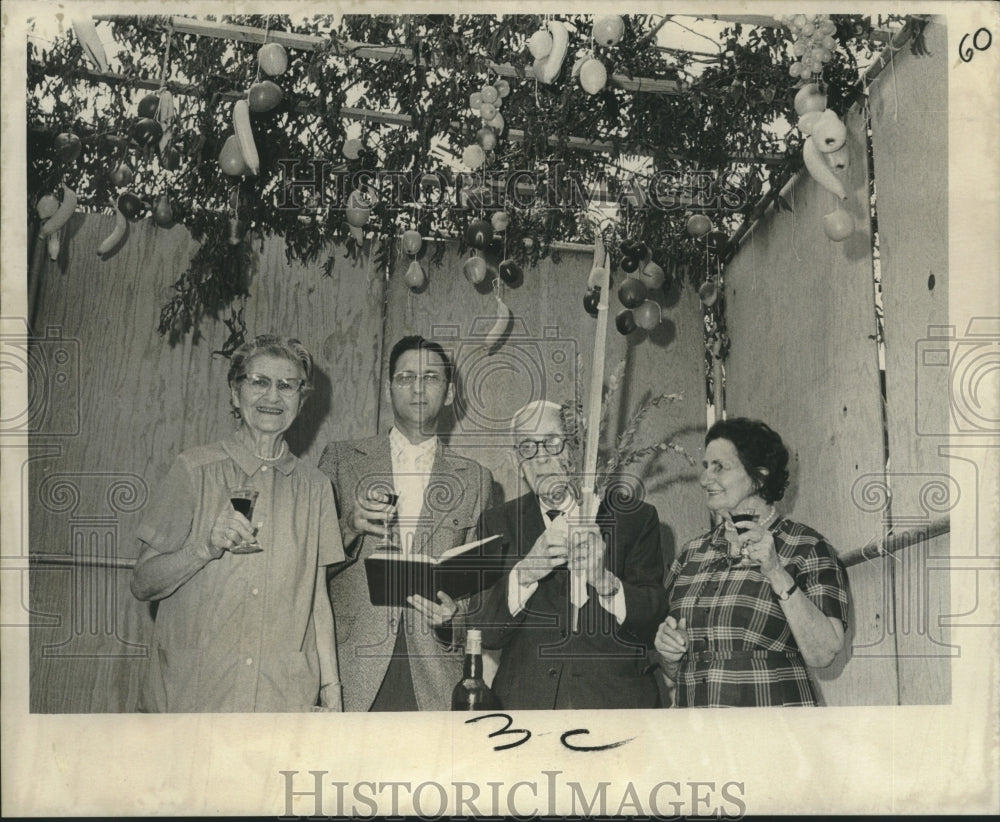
x=459 y=572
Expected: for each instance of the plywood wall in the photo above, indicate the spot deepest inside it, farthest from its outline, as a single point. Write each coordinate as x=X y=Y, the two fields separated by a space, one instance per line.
x=910 y=142
x=141 y=402
x=801 y=316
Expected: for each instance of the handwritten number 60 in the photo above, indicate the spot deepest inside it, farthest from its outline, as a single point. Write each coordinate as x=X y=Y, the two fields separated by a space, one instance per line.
x=982 y=39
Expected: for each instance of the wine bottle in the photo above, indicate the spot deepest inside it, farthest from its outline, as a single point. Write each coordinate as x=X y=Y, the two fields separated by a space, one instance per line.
x=472 y=693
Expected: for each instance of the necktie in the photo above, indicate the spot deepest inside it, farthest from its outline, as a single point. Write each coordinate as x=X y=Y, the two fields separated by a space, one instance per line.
x=552 y=513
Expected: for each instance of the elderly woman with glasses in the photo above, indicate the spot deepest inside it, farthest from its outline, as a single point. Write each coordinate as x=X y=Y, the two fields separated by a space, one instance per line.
x=757 y=599
x=234 y=549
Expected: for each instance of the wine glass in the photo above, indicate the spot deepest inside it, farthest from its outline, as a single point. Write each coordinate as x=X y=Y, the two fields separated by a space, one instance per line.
x=244 y=500
x=735 y=552
x=390 y=497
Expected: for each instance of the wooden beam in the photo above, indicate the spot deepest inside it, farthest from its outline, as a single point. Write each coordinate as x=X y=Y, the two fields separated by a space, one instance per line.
x=349 y=48
x=386 y=117
x=892 y=543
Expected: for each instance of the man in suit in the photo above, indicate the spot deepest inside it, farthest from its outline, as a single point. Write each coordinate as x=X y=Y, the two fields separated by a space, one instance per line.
x=581 y=602
x=391 y=658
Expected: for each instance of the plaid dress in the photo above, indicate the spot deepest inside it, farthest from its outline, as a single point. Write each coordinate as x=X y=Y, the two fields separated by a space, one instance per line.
x=741 y=649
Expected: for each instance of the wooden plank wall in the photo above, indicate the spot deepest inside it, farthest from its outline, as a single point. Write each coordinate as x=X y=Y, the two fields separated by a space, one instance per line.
x=801 y=314
x=142 y=401
x=909 y=132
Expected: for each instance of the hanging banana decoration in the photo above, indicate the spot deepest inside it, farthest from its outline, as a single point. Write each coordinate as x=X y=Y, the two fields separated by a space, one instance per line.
x=820 y=170
x=62 y=215
x=165 y=113
x=115 y=237
x=93 y=48
x=241 y=123
x=494 y=337
x=548 y=67
x=52 y=245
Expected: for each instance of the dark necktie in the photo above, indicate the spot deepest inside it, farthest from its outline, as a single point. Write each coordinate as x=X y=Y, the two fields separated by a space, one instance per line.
x=552 y=513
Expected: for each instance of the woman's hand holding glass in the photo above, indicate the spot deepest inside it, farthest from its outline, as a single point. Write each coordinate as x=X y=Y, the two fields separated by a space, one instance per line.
x=233 y=532
x=757 y=547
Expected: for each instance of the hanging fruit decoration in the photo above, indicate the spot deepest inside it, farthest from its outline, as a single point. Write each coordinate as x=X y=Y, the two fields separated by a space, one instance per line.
x=359 y=209
x=116 y=235
x=652 y=276
x=495 y=336
x=163 y=212
x=813 y=44
x=47 y=206
x=632 y=292
x=591 y=300
x=608 y=30
x=272 y=59
x=829 y=133
x=648 y=315
x=625 y=321
x=479 y=234
x=93 y=48
x=264 y=96
x=122 y=175
x=549 y=52
x=698 y=225
x=68 y=146
x=474 y=269
x=708 y=293
x=130 y=205
x=415 y=277
x=510 y=272
x=61 y=215
x=411 y=241
x=820 y=170
x=241 y=125
x=593 y=75
x=499 y=220
x=838 y=225
x=352 y=148
x=231 y=158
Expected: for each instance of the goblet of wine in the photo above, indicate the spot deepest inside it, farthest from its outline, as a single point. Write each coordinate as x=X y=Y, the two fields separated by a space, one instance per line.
x=244 y=500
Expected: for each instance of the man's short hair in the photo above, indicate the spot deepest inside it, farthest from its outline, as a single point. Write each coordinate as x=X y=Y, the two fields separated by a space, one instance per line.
x=417 y=343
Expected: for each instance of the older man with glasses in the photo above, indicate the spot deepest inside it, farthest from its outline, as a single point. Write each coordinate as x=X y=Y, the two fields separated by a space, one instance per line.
x=581 y=602
x=407 y=490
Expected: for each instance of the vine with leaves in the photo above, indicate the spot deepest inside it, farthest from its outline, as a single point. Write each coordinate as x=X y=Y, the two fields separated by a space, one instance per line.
x=731 y=99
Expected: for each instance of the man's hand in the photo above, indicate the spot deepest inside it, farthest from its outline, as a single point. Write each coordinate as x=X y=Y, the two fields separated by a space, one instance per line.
x=587 y=553
x=371 y=516
x=436 y=613
x=550 y=551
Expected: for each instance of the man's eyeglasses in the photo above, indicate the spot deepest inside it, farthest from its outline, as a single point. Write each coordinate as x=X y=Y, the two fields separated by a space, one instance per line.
x=429 y=380
x=260 y=384
x=553 y=445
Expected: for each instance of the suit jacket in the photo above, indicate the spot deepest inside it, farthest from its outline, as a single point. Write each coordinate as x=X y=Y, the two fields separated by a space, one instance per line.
x=457 y=492
x=545 y=664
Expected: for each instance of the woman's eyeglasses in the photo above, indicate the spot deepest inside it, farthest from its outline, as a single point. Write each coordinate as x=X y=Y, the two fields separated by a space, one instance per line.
x=528 y=449
x=260 y=384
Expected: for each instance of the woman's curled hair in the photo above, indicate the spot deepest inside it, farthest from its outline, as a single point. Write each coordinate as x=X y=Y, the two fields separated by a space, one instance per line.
x=761 y=451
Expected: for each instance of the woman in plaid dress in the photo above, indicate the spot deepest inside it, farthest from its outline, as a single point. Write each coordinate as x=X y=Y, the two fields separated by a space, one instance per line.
x=755 y=602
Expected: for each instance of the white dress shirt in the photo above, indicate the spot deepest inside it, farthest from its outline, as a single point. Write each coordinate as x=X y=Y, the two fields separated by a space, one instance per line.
x=411 y=474
x=518 y=594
